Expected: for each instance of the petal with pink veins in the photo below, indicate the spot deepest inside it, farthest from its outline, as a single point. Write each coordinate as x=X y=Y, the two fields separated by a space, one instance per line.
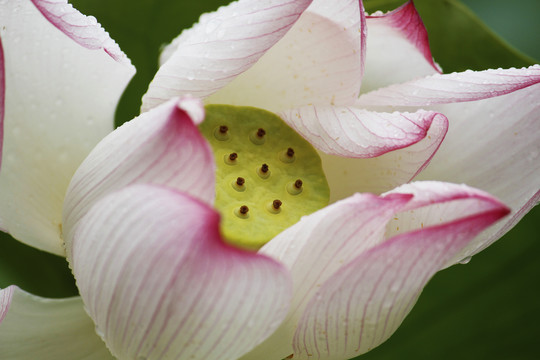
x=306 y=251
x=452 y=88
x=327 y=246
x=364 y=151
x=319 y=61
x=38 y=328
x=493 y=145
x=162 y=146
x=397 y=48
x=159 y=281
x=364 y=302
x=224 y=44
x=84 y=30
x=59 y=101
x=435 y=203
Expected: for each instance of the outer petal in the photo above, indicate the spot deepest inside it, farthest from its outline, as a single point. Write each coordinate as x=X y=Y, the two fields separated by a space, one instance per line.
x=397 y=48
x=436 y=203
x=2 y=99
x=348 y=137
x=162 y=146
x=160 y=283
x=221 y=46
x=307 y=251
x=39 y=328
x=60 y=99
x=322 y=246
x=494 y=145
x=84 y=30
x=319 y=61
x=360 y=306
x=452 y=88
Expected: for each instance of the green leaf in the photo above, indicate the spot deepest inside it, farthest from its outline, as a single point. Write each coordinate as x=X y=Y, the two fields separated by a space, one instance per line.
x=35 y=271
x=459 y=40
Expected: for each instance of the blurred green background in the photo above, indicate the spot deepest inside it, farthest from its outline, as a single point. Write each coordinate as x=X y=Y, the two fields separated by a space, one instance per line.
x=487 y=309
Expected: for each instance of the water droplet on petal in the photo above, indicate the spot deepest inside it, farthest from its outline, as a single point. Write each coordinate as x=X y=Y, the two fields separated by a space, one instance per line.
x=100 y=333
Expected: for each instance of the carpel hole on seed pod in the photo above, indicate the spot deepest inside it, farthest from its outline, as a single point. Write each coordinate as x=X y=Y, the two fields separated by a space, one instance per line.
x=274 y=207
x=258 y=137
x=231 y=159
x=221 y=133
x=263 y=171
x=239 y=184
x=287 y=156
x=242 y=212
x=267 y=175
x=296 y=187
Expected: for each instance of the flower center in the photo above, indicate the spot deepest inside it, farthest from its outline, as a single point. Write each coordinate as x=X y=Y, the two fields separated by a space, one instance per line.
x=267 y=176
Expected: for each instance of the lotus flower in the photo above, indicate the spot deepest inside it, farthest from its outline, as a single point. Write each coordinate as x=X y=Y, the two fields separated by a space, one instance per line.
x=135 y=211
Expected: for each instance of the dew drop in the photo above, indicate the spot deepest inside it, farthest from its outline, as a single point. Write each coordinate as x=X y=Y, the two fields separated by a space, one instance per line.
x=220 y=33
x=212 y=25
x=100 y=333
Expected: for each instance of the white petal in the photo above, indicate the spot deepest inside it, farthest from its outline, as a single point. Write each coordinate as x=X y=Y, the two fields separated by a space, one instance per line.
x=435 y=203
x=453 y=88
x=365 y=151
x=363 y=303
x=328 y=253
x=324 y=245
x=221 y=46
x=160 y=283
x=84 y=30
x=493 y=145
x=162 y=146
x=60 y=98
x=319 y=245
x=39 y=328
x=397 y=49
x=319 y=61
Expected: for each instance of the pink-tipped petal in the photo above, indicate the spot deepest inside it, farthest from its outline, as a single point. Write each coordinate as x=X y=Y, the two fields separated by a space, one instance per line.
x=364 y=151
x=435 y=203
x=397 y=48
x=162 y=146
x=220 y=47
x=193 y=107
x=453 y=88
x=6 y=295
x=160 y=283
x=517 y=215
x=32 y=327
x=84 y=30
x=493 y=145
x=357 y=133
x=59 y=101
x=318 y=246
x=363 y=303
x=319 y=61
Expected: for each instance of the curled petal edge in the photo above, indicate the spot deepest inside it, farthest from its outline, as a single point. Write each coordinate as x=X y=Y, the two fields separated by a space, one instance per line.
x=453 y=88
x=84 y=30
x=173 y=263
